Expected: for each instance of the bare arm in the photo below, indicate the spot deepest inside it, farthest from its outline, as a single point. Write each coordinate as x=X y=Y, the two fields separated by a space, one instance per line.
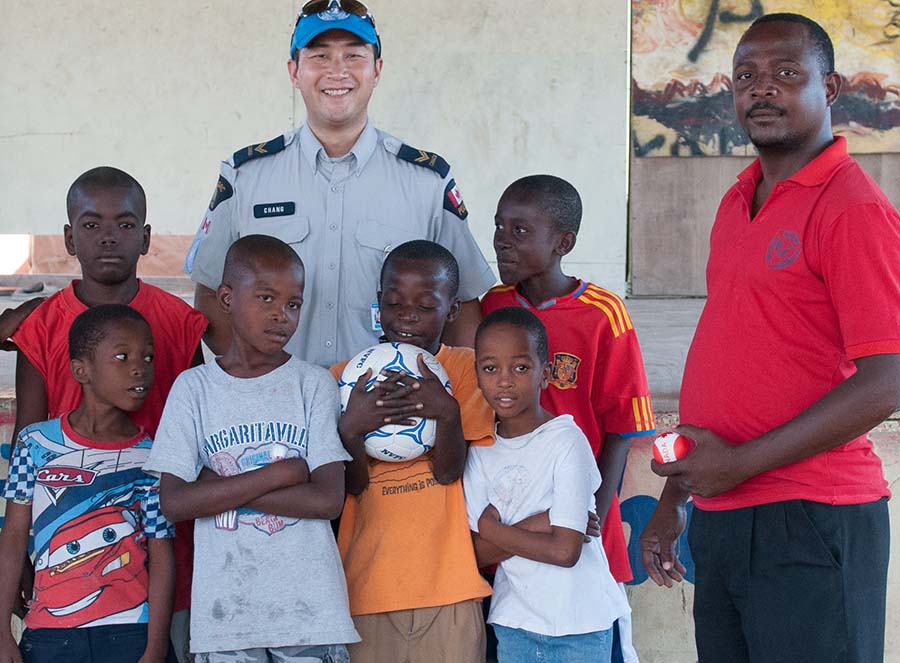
x=611 y=463
x=31 y=407
x=561 y=547
x=182 y=500
x=449 y=458
x=11 y=318
x=357 y=476
x=31 y=395
x=160 y=596
x=488 y=553
x=461 y=332
x=13 y=548
x=427 y=397
x=321 y=496
x=218 y=333
x=659 y=540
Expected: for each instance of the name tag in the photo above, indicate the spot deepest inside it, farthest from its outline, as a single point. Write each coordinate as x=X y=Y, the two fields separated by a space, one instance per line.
x=268 y=210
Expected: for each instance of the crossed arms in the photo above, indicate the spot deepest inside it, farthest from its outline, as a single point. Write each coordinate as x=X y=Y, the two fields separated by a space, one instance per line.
x=286 y=488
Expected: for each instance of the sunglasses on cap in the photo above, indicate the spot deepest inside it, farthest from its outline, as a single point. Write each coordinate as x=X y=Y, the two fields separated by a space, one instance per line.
x=331 y=10
x=350 y=6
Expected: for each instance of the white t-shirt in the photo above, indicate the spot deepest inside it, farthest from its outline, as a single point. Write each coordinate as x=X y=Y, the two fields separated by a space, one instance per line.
x=552 y=468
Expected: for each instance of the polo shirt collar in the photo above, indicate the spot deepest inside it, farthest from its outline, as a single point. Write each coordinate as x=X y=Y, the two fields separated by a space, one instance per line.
x=362 y=151
x=814 y=173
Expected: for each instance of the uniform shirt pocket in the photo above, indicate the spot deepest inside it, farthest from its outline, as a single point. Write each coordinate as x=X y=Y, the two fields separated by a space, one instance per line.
x=289 y=229
x=380 y=237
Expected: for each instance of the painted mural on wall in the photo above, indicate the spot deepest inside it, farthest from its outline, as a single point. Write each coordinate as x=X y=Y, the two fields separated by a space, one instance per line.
x=681 y=72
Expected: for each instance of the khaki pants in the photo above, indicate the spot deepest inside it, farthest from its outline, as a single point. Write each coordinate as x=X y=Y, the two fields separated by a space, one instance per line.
x=447 y=634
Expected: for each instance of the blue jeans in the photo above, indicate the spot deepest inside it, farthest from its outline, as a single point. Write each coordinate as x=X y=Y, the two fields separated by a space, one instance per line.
x=517 y=646
x=119 y=643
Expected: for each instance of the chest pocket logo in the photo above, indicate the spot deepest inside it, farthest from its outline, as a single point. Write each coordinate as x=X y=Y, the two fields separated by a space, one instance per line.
x=784 y=249
x=564 y=373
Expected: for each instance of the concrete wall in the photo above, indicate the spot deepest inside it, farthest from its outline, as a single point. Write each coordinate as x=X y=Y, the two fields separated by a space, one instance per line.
x=167 y=89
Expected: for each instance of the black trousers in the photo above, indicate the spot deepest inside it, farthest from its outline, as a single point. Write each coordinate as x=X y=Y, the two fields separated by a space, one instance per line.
x=791 y=582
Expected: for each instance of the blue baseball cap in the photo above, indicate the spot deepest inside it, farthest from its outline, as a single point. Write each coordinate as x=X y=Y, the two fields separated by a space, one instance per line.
x=310 y=26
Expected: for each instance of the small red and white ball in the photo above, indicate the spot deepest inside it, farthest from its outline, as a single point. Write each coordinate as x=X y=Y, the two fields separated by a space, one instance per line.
x=670 y=447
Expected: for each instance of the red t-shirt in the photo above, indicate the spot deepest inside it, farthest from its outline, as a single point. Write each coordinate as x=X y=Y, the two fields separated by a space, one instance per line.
x=795 y=294
x=597 y=376
x=177 y=329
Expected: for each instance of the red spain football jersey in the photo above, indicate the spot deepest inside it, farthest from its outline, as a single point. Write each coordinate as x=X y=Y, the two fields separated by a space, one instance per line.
x=597 y=376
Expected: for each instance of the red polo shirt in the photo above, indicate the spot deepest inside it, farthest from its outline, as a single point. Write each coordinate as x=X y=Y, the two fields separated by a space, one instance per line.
x=597 y=376
x=794 y=296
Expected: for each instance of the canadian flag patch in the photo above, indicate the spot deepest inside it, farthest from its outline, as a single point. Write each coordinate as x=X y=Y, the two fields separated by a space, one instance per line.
x=453 y=201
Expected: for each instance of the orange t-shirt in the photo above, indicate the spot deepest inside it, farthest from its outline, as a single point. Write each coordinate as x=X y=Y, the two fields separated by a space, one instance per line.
x=405 y=541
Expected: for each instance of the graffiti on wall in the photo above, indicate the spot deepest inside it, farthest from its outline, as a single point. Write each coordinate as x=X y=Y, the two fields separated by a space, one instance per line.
x=681 y=72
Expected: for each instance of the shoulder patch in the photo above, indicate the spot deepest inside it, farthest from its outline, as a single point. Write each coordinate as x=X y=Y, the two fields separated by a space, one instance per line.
x=264 y=149
x=223 y=192
x=425 y=159
x=453 y=201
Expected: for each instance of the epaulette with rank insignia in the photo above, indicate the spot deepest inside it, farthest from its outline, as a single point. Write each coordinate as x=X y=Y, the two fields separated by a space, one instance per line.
x=265 y=149
x=425 y=159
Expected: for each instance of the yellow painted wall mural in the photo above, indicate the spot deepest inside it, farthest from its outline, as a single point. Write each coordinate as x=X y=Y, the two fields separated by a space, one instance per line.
x=681 y=72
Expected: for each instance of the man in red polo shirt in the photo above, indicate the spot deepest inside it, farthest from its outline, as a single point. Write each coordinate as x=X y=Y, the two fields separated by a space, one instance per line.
x=795 y=358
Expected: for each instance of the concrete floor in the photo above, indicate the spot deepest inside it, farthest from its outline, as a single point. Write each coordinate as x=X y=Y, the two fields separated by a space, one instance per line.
x=664 y=326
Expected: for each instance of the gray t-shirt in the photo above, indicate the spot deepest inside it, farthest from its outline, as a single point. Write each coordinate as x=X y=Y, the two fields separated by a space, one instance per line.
x=259 y=580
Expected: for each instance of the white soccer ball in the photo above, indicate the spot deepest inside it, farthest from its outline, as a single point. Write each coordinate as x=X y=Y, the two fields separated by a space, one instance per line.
x=393 y=442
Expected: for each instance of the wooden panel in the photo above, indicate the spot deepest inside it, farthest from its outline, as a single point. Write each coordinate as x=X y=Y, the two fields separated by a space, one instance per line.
x=673 y=204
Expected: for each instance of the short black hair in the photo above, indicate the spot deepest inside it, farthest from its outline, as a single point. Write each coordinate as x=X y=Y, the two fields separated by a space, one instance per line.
x=516 y=316
x=92 y=326
x=247 y=252
x=559 y=200
x=104 y=177
x=820 y=40
x=444 y=263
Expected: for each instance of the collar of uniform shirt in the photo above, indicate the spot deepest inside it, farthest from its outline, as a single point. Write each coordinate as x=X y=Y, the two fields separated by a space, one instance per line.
x=362 y=150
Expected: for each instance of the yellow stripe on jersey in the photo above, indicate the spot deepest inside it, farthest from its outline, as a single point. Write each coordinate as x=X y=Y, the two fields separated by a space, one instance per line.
x=610 y=314
x=500 y=288
x=599 y=294
x=638 y=422
x=649 y=424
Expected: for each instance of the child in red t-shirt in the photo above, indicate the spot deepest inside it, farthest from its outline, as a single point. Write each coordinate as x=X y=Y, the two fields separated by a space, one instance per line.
x=107 y=233
x=597 y=373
